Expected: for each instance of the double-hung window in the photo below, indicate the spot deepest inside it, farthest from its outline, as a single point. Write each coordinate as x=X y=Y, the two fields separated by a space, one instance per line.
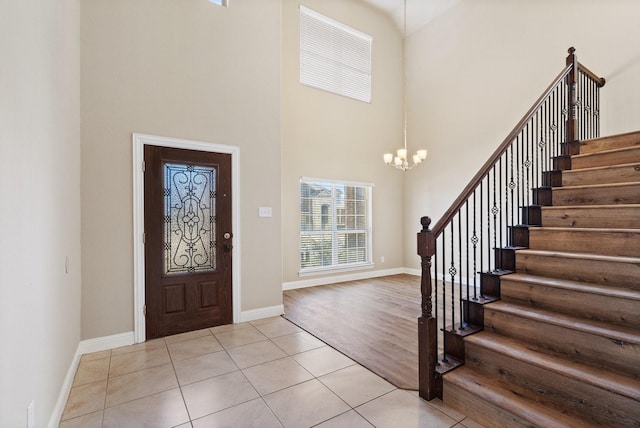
x=335 y=225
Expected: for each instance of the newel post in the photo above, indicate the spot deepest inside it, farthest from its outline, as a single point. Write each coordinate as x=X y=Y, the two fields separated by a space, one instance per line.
x=427 y=328
x=572 y=97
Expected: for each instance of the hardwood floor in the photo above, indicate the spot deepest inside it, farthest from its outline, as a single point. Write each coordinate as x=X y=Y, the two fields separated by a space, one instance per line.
x=372 y=321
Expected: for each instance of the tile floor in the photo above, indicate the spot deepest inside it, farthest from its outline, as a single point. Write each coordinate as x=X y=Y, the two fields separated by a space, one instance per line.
x=266 y=373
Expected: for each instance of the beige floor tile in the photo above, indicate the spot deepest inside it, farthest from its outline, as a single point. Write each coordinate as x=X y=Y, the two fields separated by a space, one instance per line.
x=187 y=336
x=239 y=337
x=85 y=399
x=140 y=384
x=96 y=355
x=138 y=360
x=252 y=414
x=305 y=404
x=148 y=345
x=356 y=385
x=439 y=405
x=165 y=409
x=278 y=327
x=266 y=320
x=218 y=393
x=204 y=367
x=297 y=342
x=255 y=353
x=91 y=370
x=194 y=347
x=276 y=375
x=187 y=425
x=402 y=409
x=470 y=423
x=322 y=361
x=351 y=419
x=229 y=327
x=92 y=420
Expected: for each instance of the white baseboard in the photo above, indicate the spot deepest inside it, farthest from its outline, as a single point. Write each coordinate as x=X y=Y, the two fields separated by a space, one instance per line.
x=107 y=342
x=84 y=347
x=312 y=282
x=414 y=272
x=256 y=314
x=56 y=415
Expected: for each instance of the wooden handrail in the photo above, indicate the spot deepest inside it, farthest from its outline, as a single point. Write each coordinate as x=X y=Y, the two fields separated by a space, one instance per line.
x=475 y=181
x=600 y=81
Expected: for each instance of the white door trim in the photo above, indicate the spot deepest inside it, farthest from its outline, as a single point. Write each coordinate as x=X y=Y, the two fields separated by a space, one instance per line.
x=139 y=141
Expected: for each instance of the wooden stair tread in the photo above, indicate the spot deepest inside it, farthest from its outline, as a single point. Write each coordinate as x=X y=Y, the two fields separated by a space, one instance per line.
x=604 y=329
x=633 y=136
x=600 y=152
x=595 y=207
x=599 y=168
x=510 y=398
x=589 y=256
x=537 y=356
x=604 y=290
x=596 y=186
x=585 y=229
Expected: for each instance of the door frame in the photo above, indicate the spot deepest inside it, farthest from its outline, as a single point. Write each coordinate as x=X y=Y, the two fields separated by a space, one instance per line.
x=139 y=141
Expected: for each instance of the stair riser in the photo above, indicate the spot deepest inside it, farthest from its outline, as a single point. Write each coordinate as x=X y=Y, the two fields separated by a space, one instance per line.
x=578 y=345
x=593 y=271
x=483 y=412
x=596 y=307
x=624 y=217
x=621 y=174
x=610 y=243
x=556 y=390
x=606 y=195
x=606 y=158
x=610 y=143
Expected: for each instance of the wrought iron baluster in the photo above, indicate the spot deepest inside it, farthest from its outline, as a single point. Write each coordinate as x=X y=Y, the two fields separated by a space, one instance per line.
x=460 y=271
x=474 y=241
x=494 y=212
x=481 y=224
x=452 y=274
x=444 y=295
x=512 y=186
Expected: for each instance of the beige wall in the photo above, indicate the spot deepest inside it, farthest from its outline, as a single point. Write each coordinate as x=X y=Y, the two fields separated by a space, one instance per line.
x=477 y=69
x=329 y=136
x=40 y=201
x=185 y=69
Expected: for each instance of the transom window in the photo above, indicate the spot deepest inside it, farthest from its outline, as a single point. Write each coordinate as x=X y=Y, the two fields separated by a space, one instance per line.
x=334 y=56
x=335 y=224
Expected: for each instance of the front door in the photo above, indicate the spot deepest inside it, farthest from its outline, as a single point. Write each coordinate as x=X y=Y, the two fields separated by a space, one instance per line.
x=188 y=240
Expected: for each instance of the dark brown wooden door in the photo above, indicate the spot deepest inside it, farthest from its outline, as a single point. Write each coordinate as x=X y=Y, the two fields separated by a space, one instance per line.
x=188 y=241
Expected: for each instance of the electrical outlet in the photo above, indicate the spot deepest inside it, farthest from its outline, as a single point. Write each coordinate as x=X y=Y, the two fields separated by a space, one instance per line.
x=382 y=259
x=31 y=415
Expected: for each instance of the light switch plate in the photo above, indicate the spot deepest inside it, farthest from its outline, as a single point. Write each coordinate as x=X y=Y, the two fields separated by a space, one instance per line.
x=265 y=212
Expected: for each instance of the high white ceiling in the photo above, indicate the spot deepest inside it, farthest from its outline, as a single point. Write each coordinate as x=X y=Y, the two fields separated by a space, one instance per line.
x=419 y=12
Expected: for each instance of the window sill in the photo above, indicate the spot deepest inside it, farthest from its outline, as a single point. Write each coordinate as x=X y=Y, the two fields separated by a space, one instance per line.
x=333 y=269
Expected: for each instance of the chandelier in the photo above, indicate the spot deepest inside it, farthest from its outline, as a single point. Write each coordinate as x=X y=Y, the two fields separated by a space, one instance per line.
x=400 y=159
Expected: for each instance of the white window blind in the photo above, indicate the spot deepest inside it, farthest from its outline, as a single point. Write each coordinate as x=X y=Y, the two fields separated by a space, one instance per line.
x=335 y=225
x=334 y=57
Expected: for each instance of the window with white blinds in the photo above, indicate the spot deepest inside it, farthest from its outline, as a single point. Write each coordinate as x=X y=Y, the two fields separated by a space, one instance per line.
x=334 y=57
x=335 y=225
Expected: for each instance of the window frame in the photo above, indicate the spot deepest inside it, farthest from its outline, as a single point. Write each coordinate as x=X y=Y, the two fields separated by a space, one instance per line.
x=335 y=229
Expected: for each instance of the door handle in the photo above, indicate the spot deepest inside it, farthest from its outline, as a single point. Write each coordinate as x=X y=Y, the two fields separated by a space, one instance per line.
x=227 y=246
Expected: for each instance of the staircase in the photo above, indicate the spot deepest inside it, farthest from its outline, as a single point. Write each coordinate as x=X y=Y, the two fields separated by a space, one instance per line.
x=561 y=346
